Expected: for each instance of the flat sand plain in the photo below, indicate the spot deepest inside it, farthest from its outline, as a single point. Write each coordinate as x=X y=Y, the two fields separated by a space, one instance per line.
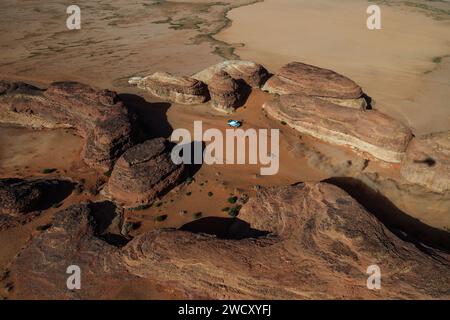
x=404 y=66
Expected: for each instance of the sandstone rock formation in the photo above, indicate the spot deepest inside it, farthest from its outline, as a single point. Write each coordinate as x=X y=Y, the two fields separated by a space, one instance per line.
x=18 y=196
x=297 y=77
x=368 y=131
x=142 y=173
x=427 y=162
x=226 y=94
x=97 y=115
x=178 y=89
x=73 y=239
x=320 y=246
x=253 y=74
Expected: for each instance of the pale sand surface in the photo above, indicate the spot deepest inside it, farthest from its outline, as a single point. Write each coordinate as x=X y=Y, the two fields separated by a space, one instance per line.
x=392 y=65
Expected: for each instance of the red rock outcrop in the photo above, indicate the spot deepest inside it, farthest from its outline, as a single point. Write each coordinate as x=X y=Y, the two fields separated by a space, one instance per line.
x=18 y=196
x=368 y=131
x=143 y=173
x=427 y=162
x=226 y=94
x=320 y=245
x=178 y=89
x=97 y=115
x=253 y=74
x=297 y=77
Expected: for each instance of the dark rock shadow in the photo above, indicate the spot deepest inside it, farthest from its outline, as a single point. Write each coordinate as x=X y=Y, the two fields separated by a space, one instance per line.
x=224 y=228
x=398 y=222
x=269 y=76
x=245 y=91
x=54 y=192
x=151 y=117
x=193 y=167
x=108 y=223
x=369 y=101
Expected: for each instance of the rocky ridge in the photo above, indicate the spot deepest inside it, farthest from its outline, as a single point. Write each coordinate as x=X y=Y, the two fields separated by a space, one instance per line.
x=178 y=89
x=306 y=241
x=297 y=77
x=367 y=131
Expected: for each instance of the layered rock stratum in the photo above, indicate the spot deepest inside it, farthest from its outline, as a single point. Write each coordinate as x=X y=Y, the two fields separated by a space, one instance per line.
x=427 y=162
x=226 y=95
x=368 y=131
x=178 y=89
x=297 y=77
x=307 y=241
x=98 y=115
x=143 y=173
x=253 y=74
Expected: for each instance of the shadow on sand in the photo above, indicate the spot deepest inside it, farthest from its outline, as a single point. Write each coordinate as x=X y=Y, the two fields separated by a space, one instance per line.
x=398 y=222
x=151 y=117
x=108 y=222
x=54 y=191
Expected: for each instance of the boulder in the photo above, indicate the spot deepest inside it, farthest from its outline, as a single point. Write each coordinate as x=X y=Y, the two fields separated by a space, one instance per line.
x=178 y=89
x=368 y=131
x=97 y=115
x=320 y=246
x=143 y=173
x=427 y=162
x=297 y=77
x=253 y=74
x=226 y=94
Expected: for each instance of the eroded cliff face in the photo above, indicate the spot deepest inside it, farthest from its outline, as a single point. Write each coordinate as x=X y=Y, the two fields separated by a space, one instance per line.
x=97 y=115
x=306 y=241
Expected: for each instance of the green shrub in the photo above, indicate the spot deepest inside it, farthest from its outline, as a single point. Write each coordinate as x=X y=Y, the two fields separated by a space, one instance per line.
x=232 y=199
x=141 y=207
x=198 y=215
x=234 y=212
x=161 y=218
x=189 y=180
x=49 y=170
